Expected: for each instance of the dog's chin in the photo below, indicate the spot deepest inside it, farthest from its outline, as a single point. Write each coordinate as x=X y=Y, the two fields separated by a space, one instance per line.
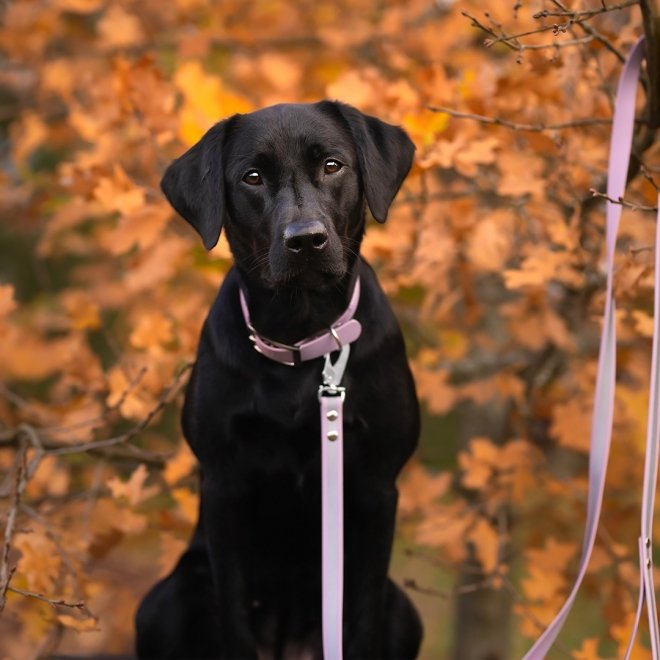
x=310 y=279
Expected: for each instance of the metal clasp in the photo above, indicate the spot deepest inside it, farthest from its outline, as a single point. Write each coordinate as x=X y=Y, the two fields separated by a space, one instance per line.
x=333 y=373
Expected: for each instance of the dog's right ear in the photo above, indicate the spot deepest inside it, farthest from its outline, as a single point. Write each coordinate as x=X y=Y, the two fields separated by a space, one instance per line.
x=194 y=184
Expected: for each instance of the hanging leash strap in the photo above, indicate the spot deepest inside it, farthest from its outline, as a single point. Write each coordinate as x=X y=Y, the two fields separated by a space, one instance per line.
x=331 y=395
x=331 y=398
x=601 y=427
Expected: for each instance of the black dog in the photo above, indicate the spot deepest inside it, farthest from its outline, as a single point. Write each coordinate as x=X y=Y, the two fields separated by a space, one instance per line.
x=290 y=184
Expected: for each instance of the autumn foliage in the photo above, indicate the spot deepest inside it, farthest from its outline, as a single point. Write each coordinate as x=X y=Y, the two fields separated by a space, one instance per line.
x=492 y=257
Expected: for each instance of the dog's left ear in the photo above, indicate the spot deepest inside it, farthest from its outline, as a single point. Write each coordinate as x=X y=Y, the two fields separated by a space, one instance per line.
x=385 y=153
x=194 y=184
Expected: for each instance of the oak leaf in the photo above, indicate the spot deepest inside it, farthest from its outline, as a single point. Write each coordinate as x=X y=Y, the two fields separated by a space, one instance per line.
x=152 y=331
x=171 y=549
x=490 y=243
x=206 y=100
x=39 y=563
x=180 y=465
x=188 y=504
x=119 y=28
x=133 y=489
x=79 y=625
x=7 y=301
x=571 y=424
x=588 y=650
x=419 y=488
x=478 y=463
x=521 y=174
x=140 y=226
x=486 y=543
x=27 y=135
x=118 y=193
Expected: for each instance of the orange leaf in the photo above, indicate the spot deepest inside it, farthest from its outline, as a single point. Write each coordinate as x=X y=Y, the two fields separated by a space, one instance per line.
x=40 y=562
x=433 y=387
x=188 y=504
x=571 y=424
x=478 y=463
x=206 y=101
x=490 y=242
x=82 y=310
x=171 y=549
x=119 y=193
x=79 y=625
x=588 y=650
x=152 y=331
x=486 y=543
x=419 y=488
x=133 y=489
x=7 y=302
x=521 y=174
x=141 y=226
x=120 y=29
x=180 y=465
x=27 y=134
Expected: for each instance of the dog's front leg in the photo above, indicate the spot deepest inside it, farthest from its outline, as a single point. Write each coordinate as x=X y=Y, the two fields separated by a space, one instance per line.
x=222 y=514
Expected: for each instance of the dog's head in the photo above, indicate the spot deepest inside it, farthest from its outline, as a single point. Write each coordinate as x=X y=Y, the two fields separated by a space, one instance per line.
x=290 y=183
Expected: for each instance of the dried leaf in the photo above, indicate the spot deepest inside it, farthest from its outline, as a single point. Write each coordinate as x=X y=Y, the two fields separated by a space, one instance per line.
x=79 y=625
x=134 y=488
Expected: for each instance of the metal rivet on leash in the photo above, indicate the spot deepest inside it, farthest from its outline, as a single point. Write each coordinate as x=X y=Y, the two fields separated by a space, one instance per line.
x=332 y=435
x=332 y=415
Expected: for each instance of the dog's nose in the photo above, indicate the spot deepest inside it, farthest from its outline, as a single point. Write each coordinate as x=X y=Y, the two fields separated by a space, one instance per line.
x=305 y=236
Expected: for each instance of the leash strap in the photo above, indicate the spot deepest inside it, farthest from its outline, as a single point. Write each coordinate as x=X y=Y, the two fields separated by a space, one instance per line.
x=332 y=461
x=331 y=398
x=601 y=426
x=646 y=588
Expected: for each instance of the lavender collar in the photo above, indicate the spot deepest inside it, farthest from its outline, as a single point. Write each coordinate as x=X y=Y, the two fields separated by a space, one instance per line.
x=344 y=330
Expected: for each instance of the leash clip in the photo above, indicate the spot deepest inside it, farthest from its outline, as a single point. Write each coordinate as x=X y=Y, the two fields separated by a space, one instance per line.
x=333 y=373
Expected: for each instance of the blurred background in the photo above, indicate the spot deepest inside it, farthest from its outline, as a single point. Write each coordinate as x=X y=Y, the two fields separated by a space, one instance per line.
x=492 y=258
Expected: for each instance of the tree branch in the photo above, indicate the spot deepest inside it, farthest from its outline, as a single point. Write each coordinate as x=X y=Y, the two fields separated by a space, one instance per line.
x=623 y=202
x=20 y=482
x=78 y=605
x=498 y=121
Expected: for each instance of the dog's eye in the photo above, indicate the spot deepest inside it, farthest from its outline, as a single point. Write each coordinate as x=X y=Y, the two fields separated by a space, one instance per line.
x=331 y=166
x=252 y=177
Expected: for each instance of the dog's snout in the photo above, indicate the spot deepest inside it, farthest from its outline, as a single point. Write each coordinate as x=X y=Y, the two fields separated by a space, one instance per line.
x=305 y=237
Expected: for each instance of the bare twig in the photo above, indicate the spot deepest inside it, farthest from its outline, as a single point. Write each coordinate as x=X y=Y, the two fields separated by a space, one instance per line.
x=411 y=583
x=108 y=446
x=78 y=605
x=581 y=14
x=622 y=202
x=85 y=423
x=591 y=31
x=573 y=18
x=123 y=438
x=516 y=126
x=20 y=483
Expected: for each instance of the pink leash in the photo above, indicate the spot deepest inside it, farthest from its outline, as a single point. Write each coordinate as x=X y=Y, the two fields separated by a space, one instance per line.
x=331 y=396
x=601 y=428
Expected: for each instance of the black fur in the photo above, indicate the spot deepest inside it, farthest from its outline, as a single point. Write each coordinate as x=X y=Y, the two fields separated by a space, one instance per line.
x=249 y=584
